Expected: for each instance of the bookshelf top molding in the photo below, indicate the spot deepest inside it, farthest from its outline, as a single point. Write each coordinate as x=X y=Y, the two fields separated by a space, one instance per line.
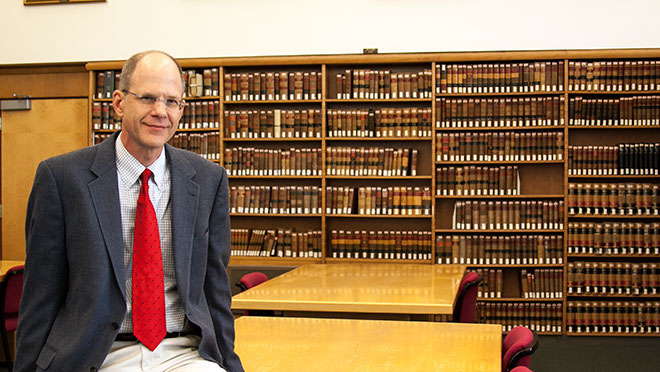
x=389 y=58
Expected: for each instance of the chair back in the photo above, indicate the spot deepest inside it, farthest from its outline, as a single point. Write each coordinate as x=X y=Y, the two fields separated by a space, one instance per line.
x=465 y=305
x=251 y=279
x=10 y=296
x=517 y=348
x=521 y=369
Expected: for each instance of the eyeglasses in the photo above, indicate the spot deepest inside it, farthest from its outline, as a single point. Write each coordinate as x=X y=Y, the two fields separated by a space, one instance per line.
x=170 y=103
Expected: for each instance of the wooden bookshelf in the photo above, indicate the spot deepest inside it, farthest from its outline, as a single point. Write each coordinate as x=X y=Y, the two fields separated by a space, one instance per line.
x=542 y=110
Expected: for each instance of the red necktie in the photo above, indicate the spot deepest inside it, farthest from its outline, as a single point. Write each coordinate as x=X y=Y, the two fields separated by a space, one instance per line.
x=148 y=286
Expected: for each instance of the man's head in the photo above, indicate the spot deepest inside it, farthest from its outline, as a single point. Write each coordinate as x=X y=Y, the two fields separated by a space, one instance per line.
x=151 y=85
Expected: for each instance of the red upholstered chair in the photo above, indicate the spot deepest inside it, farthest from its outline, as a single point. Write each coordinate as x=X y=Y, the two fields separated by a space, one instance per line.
x=250 y=280
x=11 y=290
x=517 y=348
x=521 y=369
x=465 y=305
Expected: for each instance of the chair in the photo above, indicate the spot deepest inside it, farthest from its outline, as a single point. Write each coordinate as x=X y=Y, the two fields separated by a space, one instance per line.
x=521 y=369
x=517 y=348
x=248 y=281
x=11 y=290
x=465 y=305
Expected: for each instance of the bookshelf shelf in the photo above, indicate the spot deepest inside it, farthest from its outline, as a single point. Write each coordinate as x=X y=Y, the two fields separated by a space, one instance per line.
x=501 y=94
x=362 y=100
x=201 y=98
x=612 y=93
x=546 y=111
x=502 y=128
x=275 y=177
x=380 y=177
x=488 y=231
x=263 y=102
x=376 y=260
x=618 y=256
x=560 y=265
x=499 y=162
x=614 y=217
x=613 y=295
x=376 y=139
x=377 y=216
x=274 y=215
x=617 y=127
x=518 y=299
x=633 y=177
x=197 y=130
x=500 y=197
x=617 y=334
x=281 y=139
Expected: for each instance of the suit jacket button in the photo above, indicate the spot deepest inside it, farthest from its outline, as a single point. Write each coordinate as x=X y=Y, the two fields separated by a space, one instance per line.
x=114 y=326
x=93 y=369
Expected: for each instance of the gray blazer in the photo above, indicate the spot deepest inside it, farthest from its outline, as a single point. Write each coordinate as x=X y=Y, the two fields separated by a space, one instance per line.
x=74 y=292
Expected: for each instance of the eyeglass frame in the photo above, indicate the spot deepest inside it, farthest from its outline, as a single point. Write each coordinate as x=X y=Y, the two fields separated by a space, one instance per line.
x=150 y=100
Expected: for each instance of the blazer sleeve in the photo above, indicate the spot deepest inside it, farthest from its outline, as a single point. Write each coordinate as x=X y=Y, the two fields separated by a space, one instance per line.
x=46 y=269
x=216 y=285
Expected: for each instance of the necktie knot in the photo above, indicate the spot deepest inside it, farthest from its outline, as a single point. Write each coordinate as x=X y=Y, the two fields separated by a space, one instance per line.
x=144 y=177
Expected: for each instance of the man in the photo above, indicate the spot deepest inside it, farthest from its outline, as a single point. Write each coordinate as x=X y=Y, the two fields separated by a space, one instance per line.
x=126 y=268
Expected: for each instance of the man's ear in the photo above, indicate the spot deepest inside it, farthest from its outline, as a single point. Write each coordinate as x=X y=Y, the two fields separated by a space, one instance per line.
x=118 y=98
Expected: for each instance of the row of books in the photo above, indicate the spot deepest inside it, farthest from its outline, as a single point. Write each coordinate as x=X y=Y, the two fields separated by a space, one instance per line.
x=383 y=84
x=613 y=76
x=206 y=145
x=297 y=123
x=279 y=242
x=541 y=283
x=371 y=161
x=622 y=159
x=632 y=199
x=635 y=110
x=200 y=115
x=619 y=317
x=542 y=76
x=381 y=122
x=475 y=180
x=104 y=116
x=614 y=278
x=250 y=161
x=393 y=201
x=614 y=238
x=275 y=199
x=499 y=249
x=500 y=146
x=273 y=86
x=393 y=245
x=100 y=137
x=537 y=316
x=508 y=214
x=499 y=112
x=491 y=284
x=205 y=83
x=197 y=84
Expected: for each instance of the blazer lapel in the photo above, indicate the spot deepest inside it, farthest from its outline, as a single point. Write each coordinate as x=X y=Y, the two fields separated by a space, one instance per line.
x=105 y=197
x=185 y=198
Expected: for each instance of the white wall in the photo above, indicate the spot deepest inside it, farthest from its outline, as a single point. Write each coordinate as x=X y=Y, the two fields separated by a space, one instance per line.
x=218 y=28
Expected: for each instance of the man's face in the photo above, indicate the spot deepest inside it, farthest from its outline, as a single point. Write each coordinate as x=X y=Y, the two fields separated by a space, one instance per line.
x=146 y=127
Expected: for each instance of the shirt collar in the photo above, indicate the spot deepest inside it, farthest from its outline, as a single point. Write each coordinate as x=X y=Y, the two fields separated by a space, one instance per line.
x=130 y=168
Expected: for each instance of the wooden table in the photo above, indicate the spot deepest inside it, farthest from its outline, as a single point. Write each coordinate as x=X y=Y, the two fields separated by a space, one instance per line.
x=5 y=265
x=358 y=288
x=276 y=344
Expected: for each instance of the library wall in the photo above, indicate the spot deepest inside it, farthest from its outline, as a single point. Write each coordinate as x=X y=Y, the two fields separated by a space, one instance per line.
x=115 y=29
